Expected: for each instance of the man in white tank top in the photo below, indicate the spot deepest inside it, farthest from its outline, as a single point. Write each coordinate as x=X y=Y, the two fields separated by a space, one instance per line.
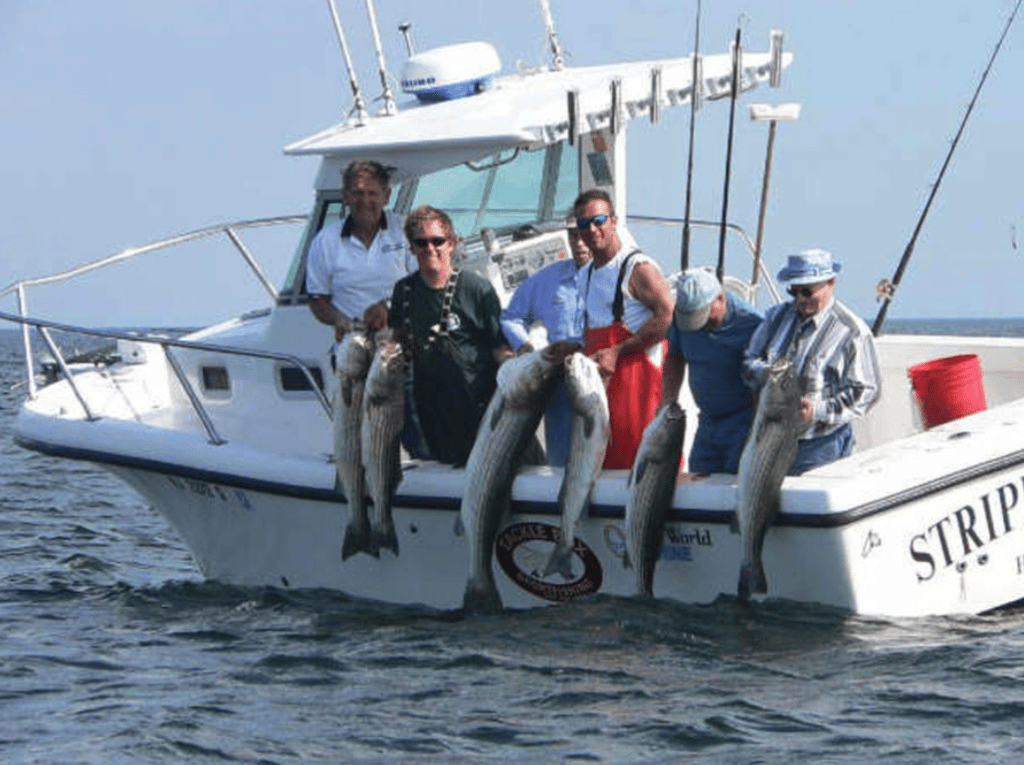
x=628 y=311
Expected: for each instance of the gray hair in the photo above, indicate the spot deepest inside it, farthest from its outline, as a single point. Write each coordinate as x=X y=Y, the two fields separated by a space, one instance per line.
x=365 y=167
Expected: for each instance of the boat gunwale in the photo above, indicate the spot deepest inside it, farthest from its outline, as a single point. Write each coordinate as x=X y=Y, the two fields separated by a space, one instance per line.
x=524 y=506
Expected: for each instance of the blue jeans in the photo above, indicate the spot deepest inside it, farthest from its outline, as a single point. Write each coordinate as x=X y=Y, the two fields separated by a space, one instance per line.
x=558 y=427
x=719 y=442
x=814 y=452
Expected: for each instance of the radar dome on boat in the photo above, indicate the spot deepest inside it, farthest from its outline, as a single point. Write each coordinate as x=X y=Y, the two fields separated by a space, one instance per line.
x=453 y=71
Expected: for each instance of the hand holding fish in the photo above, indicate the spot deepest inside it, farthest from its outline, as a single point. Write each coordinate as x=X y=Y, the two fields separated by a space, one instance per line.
x=376 y=316
x=806 y=409
x=606 y=359
x=559 y=351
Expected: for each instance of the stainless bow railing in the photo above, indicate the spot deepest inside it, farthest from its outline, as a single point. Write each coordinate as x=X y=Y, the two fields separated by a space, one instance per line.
x=45 y=327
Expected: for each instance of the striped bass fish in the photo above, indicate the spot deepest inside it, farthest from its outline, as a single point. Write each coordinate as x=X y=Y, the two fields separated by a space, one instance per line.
x=767 y=456
x=588 y=441
x=652 y=485
x=352 y=362
x=383 y=419
x=525 y=386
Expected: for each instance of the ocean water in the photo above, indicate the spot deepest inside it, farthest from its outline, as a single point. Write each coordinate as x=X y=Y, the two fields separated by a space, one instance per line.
x=113 y=650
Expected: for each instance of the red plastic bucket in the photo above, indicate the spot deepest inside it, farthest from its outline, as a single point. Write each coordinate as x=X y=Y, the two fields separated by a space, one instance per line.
x=949 y=388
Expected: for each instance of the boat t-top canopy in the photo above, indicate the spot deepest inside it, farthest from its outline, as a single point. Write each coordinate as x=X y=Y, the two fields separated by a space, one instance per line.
x=529 y=111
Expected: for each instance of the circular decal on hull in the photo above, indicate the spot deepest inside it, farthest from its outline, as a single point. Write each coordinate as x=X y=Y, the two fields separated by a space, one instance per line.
x=523 y=549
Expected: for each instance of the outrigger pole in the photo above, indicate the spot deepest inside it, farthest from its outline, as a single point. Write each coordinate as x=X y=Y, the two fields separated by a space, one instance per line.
x=736 y=53
x=359 y=106
x=887 y=289
x=696 y=92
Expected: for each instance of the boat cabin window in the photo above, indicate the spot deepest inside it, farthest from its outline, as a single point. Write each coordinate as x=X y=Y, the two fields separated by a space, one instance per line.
x=292 y=378
x=504 y=192
x=327 y=210
x=215 y=380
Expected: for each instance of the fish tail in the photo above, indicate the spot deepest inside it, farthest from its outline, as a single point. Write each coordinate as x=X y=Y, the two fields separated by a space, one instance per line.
x=384 y=538
x=357 y=540
x=560 y=562
x=645 y=582
x=481 y=598
x=752 y=579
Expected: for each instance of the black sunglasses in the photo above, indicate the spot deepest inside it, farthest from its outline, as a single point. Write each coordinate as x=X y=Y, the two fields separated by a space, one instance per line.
x=584 y=223
x=805 y=292
x=423 y=241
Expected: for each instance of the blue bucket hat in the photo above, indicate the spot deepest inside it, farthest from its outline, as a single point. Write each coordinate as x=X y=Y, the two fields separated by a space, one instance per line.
x=809 y=267
x=696 y=291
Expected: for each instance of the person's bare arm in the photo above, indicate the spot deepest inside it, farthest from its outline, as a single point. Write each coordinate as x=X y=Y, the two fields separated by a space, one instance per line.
x=672 y=372
x=647 y=285
x=325 y=312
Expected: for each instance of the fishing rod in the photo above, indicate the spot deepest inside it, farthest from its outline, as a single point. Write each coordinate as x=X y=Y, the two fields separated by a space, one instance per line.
x=695 y=94
x=887 y=289
x=736 y=52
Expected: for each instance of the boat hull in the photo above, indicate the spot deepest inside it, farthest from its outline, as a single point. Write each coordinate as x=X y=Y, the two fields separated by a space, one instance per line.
x=953 y=549
x=913 y=523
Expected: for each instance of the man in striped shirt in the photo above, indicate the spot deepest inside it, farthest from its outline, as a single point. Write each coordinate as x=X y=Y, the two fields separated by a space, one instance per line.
x=833 y=351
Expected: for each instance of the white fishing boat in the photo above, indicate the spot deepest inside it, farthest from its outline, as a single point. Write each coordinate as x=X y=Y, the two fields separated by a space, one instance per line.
x=226 y=431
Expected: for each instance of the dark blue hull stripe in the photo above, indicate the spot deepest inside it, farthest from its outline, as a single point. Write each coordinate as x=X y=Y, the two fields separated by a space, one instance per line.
x=530 y=507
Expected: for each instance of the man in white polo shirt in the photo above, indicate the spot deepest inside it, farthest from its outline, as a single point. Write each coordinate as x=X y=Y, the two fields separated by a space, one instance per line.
x=353 y=264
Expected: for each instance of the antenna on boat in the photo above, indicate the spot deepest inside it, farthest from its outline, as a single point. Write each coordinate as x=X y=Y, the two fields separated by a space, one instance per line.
x=737 y=52
x=696 y=93
x=404 y=28
x=359 y=106
x=558 y=59
x=389 y=99
x=887 y=289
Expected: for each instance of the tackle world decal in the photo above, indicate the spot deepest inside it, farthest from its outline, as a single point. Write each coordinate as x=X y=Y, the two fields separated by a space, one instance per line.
x=677 y=545
x=522 y=560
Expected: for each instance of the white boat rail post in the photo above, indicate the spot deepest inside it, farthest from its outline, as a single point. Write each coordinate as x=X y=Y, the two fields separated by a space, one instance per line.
x=253 y=263
x=26 y=342
x=215 y=438
x=772 y=115
x=390 y=108
x=59 y=358
x=359 y=107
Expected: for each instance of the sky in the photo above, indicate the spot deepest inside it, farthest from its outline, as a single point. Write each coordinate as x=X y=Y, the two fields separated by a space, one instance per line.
x=124 y=122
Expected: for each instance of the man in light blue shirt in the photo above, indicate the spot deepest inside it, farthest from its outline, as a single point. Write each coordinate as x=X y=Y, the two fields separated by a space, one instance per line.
x=553 y=297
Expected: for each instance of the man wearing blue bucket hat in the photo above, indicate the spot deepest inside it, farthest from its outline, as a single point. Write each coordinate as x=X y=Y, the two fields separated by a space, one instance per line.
x=833 y=351
x=710 y=331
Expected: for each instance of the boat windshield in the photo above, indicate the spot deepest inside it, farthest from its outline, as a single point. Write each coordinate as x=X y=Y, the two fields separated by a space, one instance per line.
x=508 y=191
x=502 y=193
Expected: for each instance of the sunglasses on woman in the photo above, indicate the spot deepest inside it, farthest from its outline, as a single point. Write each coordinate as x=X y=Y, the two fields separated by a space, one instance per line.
x=423 y=241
